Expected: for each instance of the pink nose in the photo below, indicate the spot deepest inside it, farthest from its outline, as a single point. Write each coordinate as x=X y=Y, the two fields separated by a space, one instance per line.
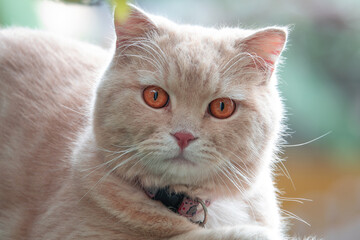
x=183 y=139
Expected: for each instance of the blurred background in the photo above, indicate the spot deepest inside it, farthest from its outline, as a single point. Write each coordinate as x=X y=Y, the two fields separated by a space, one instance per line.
x=320 y=82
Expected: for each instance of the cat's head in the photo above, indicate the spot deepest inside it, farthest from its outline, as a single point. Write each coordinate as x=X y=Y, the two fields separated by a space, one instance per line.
x=189 y=106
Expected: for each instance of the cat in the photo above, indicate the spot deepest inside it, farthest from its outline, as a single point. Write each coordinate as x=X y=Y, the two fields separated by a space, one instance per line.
x=90 y=138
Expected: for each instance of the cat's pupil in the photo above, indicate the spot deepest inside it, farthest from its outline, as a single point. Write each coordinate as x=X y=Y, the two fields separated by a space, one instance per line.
x=155 y=95
x=222 y=106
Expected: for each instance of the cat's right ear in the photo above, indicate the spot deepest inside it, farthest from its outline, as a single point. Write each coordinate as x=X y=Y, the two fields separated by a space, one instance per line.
x=265 y=46
x=137 y=25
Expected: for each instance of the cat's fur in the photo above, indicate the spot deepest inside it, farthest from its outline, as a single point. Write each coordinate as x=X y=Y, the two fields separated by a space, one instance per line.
x=66 y=108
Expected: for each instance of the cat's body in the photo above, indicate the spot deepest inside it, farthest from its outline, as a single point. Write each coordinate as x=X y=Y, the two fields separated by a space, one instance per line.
x=56 y=135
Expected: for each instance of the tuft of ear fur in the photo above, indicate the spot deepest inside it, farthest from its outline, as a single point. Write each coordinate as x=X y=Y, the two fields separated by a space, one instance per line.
x=266 y=46
x=138 y=24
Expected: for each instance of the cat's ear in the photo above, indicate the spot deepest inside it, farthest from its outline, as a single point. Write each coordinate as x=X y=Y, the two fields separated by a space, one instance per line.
x=137 y=25
x=265 y=46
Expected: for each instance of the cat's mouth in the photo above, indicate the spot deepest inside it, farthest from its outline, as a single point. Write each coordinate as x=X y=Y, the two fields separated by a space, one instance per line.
x=180 y=159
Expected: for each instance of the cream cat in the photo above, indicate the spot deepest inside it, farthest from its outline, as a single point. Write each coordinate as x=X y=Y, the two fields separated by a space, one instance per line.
x=88 y=137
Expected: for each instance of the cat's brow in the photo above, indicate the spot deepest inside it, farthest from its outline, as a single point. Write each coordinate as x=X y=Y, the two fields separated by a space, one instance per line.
x=235 y=94
x=147 y=78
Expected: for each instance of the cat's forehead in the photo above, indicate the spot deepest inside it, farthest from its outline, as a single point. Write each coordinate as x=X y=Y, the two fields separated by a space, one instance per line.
x=196 y=59
x=198 y=42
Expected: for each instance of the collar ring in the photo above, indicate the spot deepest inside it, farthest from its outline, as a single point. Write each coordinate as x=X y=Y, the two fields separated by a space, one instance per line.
x=203 y=222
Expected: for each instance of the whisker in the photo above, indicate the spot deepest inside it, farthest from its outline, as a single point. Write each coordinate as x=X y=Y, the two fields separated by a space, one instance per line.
x=308 y=142
x=236 y=56
x=107 y=162
x=217 y=173
x=110 y=151
x=149 y=60
x=229 y=68
x=161 y=56
x=242 y=193
x=236 y=185
x=141 y=159
x=286 y=173
x=254 y=58
x=240 y=188
x=298 y=200
x=144 y=45
x=292 y=215
x=238 y=171
x=144 y=41
x=252 y=174
x=108 y=173
x=132 y=145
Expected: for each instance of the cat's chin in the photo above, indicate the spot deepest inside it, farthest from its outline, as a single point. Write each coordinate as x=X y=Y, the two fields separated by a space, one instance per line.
x=180 y=160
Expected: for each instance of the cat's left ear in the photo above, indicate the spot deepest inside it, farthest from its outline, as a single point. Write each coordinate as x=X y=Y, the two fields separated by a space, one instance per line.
x=137 y=25
x=265 y=46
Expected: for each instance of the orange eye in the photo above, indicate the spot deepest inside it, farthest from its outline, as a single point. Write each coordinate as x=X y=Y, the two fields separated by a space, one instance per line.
x=222 y=108
x=155 y=97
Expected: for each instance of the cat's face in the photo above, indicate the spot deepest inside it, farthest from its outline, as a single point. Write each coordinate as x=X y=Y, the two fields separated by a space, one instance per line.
x=193 y=66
